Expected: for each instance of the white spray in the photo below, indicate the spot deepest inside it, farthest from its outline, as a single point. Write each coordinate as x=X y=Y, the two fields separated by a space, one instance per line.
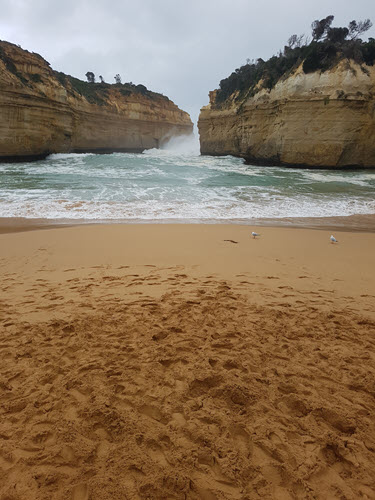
x=183 y=144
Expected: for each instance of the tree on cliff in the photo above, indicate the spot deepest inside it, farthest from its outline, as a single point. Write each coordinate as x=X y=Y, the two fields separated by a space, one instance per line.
x=101 y=79
x=118 y=79
x=320 y=28
x=357 y=29
x=296 y=41
x=90 y=77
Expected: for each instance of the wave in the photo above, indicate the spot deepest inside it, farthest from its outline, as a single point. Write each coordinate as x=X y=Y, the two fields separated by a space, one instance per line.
x=68 y=156
x=185 y=145
x=175 y=182
x=212 y=209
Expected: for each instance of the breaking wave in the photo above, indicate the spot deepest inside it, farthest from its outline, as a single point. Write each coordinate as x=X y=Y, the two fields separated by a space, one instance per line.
x=176 y=183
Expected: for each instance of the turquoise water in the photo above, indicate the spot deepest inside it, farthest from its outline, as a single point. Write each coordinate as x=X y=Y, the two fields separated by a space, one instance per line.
x=177 y=184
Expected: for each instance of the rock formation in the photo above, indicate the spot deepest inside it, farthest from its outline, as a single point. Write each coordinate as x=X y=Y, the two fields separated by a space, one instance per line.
x=319 y=119
x=43 y=111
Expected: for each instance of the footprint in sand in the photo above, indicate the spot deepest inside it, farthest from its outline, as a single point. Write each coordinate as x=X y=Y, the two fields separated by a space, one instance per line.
x=80 y=492
x=153 y=412
x=241 y=439
x=156 y=453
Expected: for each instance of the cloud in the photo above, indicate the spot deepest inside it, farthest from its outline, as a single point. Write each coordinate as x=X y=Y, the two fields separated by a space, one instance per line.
x=180 y=48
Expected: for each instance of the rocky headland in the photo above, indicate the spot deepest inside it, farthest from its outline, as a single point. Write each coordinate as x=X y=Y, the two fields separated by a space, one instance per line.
x=44 y=111
x=298 y=109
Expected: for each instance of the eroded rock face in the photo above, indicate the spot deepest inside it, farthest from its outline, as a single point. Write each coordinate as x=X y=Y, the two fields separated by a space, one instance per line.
x=313 y=120
x=43 y=112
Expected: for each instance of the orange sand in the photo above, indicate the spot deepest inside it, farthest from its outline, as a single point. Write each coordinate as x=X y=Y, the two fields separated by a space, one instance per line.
x=163 y=362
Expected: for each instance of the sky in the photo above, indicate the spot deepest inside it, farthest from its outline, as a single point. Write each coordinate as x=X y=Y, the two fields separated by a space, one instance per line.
x=181 y=48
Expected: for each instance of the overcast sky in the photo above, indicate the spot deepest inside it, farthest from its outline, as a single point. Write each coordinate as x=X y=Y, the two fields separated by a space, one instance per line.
x=182 y=48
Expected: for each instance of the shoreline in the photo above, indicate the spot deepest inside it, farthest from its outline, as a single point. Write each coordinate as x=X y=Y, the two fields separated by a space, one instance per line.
x=364 y=223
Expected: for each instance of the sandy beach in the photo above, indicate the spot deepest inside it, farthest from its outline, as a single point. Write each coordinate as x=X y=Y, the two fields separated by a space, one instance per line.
x=186 y=362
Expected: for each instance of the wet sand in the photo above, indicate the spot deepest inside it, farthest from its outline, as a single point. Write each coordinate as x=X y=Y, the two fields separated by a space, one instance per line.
x=352 y=223
x=187 y=361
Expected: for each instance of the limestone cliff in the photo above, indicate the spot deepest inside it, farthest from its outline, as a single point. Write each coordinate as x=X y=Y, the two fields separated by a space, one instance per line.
x=43 y=111
x=319 y=119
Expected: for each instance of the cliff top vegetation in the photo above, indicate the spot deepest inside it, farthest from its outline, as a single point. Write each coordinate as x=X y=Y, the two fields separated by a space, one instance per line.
x=96 y=93
x=327 y=46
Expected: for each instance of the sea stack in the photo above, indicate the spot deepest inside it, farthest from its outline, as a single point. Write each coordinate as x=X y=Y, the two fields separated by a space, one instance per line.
x=310 y=114
x=44 y=111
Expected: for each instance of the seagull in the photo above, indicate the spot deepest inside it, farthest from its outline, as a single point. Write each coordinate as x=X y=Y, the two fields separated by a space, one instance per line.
x=333 y=239
x=254 y=234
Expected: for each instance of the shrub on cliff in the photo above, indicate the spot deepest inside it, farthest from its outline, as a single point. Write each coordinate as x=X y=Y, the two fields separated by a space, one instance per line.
x=318 y=56
x=125 y=92
x=11 y=67
x=35 y=77
x=328 y=46
x=368 y=52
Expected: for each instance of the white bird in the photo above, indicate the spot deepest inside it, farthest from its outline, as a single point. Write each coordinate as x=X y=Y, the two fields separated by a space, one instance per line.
x=254 y=234
x=333 y=239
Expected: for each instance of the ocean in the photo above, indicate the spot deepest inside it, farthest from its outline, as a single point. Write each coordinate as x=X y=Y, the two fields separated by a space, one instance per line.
x=177 y=184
